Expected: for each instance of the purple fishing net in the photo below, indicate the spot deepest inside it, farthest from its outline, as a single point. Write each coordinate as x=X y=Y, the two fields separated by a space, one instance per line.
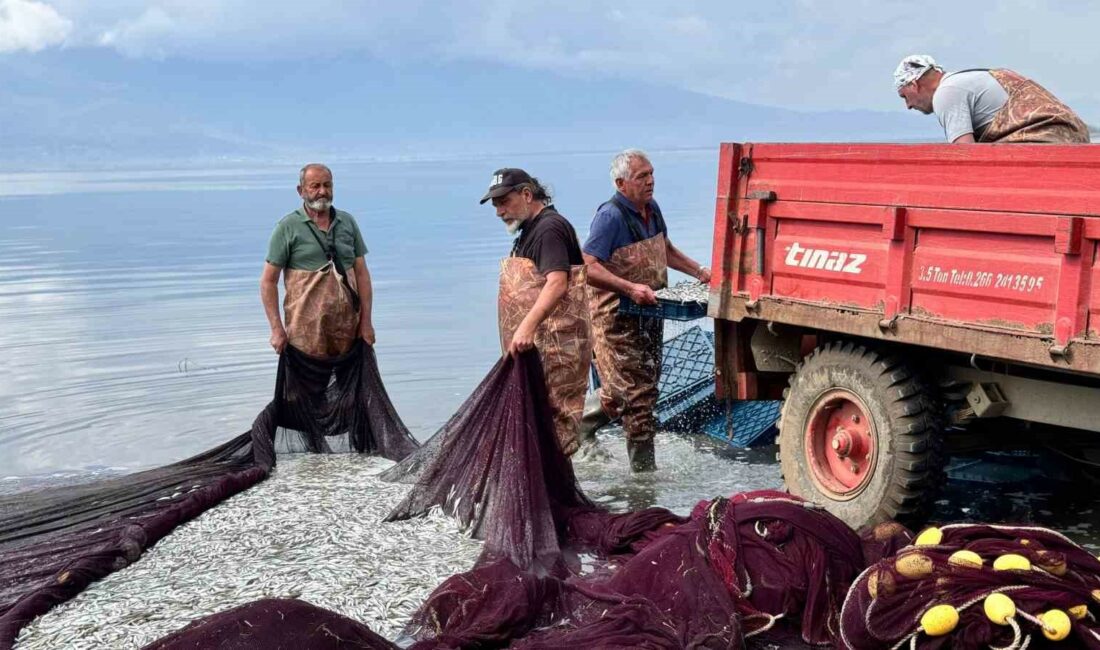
x=760 y=569
x=496 y=467
x=274 y=623
x=762 y=564
x=885 y=606
x=707 y=582
x=56 y=541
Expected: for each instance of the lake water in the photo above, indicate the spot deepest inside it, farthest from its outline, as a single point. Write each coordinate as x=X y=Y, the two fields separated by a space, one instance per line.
x=132 y=335
x=132 y=332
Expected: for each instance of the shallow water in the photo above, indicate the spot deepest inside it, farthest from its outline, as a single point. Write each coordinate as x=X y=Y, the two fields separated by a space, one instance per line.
x=132 y=333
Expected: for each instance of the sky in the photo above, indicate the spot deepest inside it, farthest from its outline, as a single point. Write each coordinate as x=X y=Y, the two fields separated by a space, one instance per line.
x=206 y=75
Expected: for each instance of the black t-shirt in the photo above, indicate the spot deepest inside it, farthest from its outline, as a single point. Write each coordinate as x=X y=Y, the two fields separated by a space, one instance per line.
x=549 y=241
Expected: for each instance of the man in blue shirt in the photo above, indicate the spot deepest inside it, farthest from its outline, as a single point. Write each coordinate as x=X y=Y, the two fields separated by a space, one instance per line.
x=628 y=253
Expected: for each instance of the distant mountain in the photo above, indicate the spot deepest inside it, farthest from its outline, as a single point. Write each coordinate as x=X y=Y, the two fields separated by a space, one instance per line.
x=95 y=108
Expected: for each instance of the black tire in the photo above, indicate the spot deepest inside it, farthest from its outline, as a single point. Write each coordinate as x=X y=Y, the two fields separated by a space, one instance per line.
x=904 y=432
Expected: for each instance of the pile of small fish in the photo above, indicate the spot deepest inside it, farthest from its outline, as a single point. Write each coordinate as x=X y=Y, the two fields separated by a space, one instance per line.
x=685 y=291
x=311 y=531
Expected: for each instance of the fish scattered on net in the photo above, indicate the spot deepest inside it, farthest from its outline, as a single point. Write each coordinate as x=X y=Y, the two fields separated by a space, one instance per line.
x=760 y=565
x=275 y=540
x=56 y=541
x=760 y=568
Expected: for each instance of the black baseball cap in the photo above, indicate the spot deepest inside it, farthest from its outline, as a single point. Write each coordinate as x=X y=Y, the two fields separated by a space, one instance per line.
x=504 y=181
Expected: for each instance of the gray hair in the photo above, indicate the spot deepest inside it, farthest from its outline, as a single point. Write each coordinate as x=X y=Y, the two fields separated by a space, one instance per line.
x=620 y=164
x=539 y=190
x=302 y=173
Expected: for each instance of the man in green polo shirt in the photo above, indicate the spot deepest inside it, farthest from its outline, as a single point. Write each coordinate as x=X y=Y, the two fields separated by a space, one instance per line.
x=320 y=253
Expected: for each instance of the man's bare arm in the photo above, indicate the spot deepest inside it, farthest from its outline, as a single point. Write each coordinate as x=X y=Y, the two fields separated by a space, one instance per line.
x=269 y=296
x=366 y=299
x=678 y=260
x=966 y=138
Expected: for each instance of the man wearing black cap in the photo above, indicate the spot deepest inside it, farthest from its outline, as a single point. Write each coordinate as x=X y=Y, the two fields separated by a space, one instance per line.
x=543 y=301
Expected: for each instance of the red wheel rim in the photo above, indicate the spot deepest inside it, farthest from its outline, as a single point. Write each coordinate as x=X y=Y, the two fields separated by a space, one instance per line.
x=839 y=444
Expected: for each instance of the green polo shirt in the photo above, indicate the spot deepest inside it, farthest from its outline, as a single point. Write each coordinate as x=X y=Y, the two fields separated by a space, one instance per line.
x=294 y=245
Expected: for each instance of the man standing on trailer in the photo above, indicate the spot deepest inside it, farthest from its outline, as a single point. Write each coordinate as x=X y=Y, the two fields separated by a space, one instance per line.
x=986 y=105
x=320 y=253
x=628 y=253
x=543 y=297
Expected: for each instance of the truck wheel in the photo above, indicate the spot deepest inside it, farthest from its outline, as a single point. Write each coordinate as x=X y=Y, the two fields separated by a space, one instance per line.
x=860 y=434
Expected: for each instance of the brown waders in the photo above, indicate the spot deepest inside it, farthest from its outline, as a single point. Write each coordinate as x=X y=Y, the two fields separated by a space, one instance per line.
x=1032 y=114
x=322 y=318
x=563 y=339
x=628 y=351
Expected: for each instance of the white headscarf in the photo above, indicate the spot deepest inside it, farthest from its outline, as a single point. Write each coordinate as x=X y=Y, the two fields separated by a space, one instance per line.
x=912 y=67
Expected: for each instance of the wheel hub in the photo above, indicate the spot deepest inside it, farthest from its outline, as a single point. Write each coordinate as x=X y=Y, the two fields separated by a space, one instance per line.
x=840 y=443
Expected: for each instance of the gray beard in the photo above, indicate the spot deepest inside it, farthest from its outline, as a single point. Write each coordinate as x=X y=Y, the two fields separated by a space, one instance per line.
x=319 y=205
x=513 y=226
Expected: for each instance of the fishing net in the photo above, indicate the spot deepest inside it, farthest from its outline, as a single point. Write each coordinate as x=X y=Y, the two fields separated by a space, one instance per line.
x=497 y=468
x=55 y=541
x=711 y=580
x=338 y=405
x=977 y=586
x=760 y=568
x=559 y=572
x=300 y=625
x=756 y=565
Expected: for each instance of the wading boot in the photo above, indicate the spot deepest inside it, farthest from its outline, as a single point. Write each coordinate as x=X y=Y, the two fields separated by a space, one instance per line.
x=642 y=455
x=592 y=418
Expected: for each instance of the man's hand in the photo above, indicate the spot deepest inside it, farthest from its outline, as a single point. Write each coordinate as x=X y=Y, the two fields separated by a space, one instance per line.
x=641 y=294
x=522 y=341
x=278 y=339
x=366 y=332
x=703 y=275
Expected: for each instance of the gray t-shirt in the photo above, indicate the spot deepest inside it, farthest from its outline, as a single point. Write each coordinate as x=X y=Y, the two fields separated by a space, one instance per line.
x=967 y=101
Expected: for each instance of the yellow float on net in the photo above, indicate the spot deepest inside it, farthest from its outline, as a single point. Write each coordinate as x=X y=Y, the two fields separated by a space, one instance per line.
x=1051 y=562
x=929 y=537
x=1078 y=612
x=965 y=558
x=939 y=620
x=1011 y=562
x=914 y=565
x=1056 y=624
x=999 y=608
x=881 y=583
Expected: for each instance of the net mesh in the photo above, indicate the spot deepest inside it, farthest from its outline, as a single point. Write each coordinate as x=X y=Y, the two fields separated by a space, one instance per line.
x=55 y=541
x=758 y=569
x=760 y=566
x=497 y=468
x=887 y=605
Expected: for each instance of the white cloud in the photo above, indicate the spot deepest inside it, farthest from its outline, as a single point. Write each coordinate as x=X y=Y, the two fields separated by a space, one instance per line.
x=32 y=26
x=794 y=53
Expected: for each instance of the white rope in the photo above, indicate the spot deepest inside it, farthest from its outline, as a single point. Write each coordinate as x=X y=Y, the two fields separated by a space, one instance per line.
x=770 y=624
x=1015 y=645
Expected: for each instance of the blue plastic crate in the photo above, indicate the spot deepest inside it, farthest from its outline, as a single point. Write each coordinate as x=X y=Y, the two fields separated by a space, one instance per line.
x=686 y=400
x=665 y=309
x=746 y=424
x=686 y=359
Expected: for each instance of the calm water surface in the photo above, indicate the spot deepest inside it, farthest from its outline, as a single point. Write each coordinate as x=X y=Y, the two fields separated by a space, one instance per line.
x=132 y=335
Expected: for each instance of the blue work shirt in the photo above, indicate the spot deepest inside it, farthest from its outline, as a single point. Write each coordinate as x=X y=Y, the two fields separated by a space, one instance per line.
x=610 y=231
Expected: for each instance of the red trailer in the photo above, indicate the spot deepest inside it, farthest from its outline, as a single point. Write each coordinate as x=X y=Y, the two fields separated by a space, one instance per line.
x=903 y=298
